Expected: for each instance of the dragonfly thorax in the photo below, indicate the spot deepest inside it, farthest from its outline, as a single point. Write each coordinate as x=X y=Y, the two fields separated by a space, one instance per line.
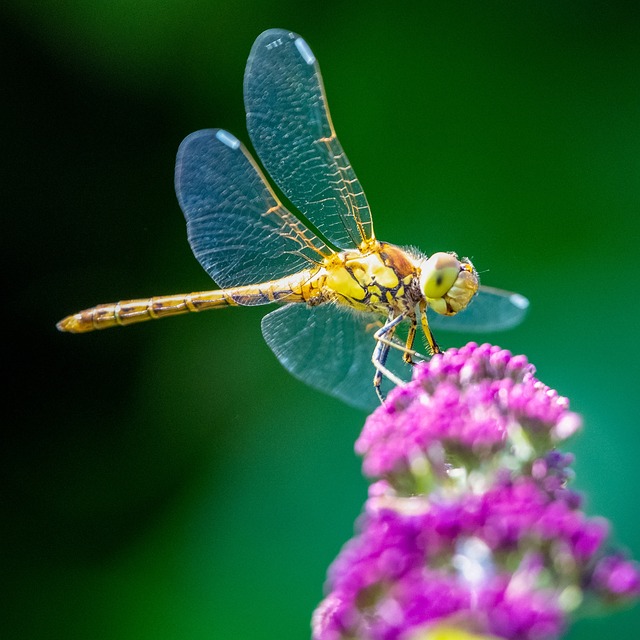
x=382 y=279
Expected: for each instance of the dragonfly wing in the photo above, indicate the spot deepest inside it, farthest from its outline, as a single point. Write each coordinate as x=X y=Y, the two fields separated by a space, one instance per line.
x=290 y=127
x=489 y=310
x=330 y=349
x=238 y=230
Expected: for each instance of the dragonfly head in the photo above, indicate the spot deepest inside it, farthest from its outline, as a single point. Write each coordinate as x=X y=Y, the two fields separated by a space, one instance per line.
x=448 y=283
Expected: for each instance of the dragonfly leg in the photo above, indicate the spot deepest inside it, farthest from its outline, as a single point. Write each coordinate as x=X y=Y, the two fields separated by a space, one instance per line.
x=408 y=354
x=396 y=343
x=384 y=338
x=379 y=360
x=433 y=345
x=385 y=335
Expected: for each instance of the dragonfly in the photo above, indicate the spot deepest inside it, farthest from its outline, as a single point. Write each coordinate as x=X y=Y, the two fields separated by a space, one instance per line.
x=349 y=305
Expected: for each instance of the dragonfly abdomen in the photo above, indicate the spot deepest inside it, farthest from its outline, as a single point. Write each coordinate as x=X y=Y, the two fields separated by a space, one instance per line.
x=125 y=312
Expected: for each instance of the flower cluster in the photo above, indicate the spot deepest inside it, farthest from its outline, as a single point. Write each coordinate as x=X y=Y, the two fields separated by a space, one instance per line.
x=470 y=524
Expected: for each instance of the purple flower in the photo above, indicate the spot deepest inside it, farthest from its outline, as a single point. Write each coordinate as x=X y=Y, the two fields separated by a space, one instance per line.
x=471 y=403
x=471 y=523
x=616 y=578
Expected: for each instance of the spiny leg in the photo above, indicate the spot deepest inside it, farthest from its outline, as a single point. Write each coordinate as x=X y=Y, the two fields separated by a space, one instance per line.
x=406 y=346
x=379 y=359
x=401 y=345
x=390 y=340
x=384 y=341
x=433 y=345
x=411 y=336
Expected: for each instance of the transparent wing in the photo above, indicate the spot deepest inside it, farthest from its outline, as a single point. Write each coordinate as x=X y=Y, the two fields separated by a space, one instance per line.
x=490 y=310
x=330 y=349
x=290 y=127
x=238 y=230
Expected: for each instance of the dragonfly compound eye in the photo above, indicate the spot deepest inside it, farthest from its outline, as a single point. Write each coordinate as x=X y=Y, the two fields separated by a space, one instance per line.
x=438 y=275
x=448 y=283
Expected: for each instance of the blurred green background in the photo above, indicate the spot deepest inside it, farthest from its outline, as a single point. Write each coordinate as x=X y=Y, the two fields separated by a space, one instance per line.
x=171 y=480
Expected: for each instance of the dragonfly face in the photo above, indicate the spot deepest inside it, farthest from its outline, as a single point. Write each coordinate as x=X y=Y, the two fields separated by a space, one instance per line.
x=447 y=283
x=351 y=304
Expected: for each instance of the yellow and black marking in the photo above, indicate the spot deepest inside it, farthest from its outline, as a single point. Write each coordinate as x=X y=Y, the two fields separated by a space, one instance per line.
x=379 y=280
x=295 y=288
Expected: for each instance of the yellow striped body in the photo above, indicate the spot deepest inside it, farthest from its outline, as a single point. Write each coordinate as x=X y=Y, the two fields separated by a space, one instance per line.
x=374 y=280
x=126 y=312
